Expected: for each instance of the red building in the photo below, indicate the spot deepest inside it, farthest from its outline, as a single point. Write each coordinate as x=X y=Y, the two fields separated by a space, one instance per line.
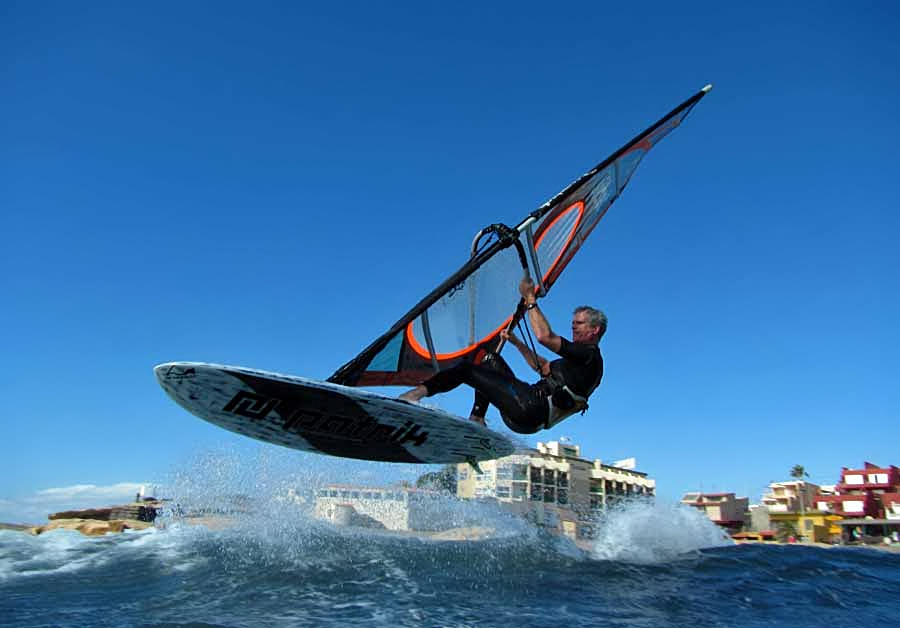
x=866 y=492
x=891 y=503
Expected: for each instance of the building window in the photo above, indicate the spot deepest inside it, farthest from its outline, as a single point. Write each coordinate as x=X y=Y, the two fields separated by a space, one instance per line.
x=596 y=485
x=504 y=472
x=549 y=476
x=562 y=479
x=333 y=494
x=520 y=472
x=549 y=494
x=535 y=493
x=563 y=496
x=486 y=476
x=503 y=491
x=853 y=479
x=535 y=474
x=463 y=474
x=519 y=490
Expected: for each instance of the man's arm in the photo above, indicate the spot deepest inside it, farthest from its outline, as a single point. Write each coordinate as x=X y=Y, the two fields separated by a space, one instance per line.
x=538 y=363
x=538 y=321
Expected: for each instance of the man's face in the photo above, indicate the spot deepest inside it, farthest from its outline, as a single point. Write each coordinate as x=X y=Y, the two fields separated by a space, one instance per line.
x=582 y=330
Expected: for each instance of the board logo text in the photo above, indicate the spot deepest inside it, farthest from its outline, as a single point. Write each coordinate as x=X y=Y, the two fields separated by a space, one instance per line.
x=307 y=420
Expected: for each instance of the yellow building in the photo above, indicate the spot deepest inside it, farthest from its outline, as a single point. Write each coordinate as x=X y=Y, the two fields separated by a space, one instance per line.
x=554 y=485
x=816 y=526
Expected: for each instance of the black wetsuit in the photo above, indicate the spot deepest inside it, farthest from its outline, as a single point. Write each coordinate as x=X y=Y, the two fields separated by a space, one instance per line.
x=524 y=407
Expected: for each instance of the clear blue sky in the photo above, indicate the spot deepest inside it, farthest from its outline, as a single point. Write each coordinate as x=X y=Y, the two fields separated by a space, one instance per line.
x=273 y=184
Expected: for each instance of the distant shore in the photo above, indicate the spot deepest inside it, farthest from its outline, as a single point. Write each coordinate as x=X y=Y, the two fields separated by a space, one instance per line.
x=893 y=547
x=91 y=526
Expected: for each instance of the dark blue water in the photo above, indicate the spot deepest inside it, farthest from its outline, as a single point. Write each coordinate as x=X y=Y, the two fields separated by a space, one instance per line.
x=289 y=570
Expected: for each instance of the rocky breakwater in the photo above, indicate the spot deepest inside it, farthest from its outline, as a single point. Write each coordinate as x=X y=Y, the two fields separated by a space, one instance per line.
x=100 y=521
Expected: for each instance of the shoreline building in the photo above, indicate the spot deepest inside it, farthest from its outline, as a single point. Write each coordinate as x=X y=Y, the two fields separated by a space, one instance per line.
x=865 y=492
x=554 y=486
x=792 y=496
x=869 y=501
x=392 y=508
x=723 y=509
x=792 y=511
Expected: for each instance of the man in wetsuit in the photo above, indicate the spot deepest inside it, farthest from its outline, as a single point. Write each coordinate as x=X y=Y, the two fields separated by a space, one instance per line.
x=565 y=383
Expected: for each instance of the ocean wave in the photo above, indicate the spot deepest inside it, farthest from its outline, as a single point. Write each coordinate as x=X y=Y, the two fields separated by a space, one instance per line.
x=267 y=561
x=298 y=571
x=648 y=532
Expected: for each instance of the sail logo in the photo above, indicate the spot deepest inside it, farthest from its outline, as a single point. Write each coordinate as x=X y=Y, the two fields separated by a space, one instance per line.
x=304 y=420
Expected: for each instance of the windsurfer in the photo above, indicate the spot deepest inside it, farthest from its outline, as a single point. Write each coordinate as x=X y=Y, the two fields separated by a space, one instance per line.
x=565 y=382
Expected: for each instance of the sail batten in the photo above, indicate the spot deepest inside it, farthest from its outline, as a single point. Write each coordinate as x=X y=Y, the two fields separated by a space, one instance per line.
x=463 y=316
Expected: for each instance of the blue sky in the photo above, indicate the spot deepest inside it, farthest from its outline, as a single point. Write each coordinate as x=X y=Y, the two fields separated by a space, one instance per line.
x=273 y=184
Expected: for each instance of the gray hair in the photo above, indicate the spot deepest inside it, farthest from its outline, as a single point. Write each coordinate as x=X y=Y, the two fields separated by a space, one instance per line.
x=596 y=318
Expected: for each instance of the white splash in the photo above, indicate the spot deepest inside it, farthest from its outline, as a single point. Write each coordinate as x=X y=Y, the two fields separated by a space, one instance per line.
x=654 y=532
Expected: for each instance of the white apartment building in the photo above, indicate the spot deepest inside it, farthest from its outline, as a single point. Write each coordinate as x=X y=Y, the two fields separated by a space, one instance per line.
x=554 y=485
x=393 y=508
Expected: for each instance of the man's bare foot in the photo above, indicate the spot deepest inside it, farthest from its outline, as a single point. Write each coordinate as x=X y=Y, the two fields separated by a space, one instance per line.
x=474 y=418
x=415 y=394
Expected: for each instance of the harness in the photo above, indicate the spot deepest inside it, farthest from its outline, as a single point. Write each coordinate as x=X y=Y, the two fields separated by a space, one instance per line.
x=562 y=402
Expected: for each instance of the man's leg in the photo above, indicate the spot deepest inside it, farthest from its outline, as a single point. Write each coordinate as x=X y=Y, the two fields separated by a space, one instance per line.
x=495 y=385
x=480 y=406
x=441 y=382
x=414 y=394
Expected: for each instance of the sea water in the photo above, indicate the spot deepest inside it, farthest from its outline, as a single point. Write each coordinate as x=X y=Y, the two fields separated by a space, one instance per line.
x=651 y=564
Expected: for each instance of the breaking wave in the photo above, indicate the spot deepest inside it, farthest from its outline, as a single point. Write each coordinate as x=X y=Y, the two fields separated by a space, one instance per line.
x=260 y=558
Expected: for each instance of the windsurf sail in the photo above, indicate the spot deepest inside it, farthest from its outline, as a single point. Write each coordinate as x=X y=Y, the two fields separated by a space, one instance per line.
x=462 y=317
